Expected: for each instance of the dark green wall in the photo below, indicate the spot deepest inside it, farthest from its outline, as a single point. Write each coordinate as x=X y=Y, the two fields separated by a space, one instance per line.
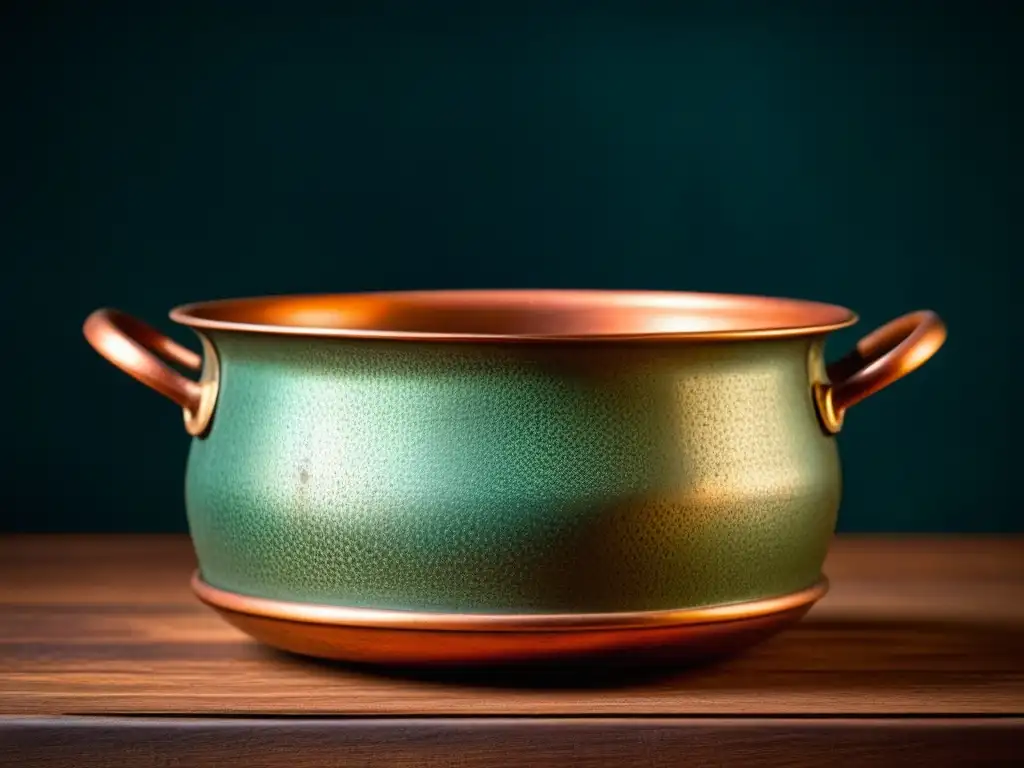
x=867 y=154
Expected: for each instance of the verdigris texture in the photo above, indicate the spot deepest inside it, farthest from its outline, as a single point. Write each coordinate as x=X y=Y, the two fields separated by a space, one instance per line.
x=551 y=477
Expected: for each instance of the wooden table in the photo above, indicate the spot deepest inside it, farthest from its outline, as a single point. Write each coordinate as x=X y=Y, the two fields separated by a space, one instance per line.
x=916 y=657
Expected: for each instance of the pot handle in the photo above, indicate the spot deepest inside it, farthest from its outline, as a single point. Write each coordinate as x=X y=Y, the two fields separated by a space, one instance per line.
x=137 y=348
x=883 y=356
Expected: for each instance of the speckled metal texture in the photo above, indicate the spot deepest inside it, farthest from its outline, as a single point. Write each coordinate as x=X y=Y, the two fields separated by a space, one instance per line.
x=515 y=478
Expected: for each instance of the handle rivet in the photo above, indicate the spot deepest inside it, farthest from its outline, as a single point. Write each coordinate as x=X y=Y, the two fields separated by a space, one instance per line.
x=831 y=419
x=197 y=421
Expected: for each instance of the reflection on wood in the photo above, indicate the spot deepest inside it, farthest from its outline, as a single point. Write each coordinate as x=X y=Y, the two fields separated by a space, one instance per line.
x=99 y=624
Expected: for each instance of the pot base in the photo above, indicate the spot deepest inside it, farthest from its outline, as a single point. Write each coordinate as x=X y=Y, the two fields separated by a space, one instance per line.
x=405 y=638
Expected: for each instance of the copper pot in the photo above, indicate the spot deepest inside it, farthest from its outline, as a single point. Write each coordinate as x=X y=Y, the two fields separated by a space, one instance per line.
x=496 y=475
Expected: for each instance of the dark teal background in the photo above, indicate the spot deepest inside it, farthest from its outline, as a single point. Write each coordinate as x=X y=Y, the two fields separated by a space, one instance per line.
x=867 y=154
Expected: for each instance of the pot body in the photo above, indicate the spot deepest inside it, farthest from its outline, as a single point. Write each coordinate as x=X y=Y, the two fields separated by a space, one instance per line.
x=513 y=478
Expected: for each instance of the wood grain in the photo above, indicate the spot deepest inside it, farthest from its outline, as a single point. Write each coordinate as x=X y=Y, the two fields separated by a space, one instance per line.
x=499 y=743
x=94 y=625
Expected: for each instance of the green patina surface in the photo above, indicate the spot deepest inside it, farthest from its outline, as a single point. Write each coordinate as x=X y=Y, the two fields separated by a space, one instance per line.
x=513 y=478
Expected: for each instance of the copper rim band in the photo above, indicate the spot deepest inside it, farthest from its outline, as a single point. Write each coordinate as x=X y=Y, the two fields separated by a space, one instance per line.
x=312 y=613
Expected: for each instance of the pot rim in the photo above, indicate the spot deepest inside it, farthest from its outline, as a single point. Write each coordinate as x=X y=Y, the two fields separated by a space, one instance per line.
x=517 y=315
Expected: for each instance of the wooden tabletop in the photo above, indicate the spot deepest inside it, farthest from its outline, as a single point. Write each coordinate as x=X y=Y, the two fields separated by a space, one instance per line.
x=917 y=632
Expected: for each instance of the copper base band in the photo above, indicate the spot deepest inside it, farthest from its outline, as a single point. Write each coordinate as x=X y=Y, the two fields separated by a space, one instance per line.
x=406 y=638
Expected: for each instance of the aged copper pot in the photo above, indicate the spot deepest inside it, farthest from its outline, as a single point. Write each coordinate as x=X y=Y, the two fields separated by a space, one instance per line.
x=459 y=476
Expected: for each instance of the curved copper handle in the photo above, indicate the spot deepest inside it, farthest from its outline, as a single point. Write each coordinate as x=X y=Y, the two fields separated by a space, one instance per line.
x=136 y=349
x=883 y=356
